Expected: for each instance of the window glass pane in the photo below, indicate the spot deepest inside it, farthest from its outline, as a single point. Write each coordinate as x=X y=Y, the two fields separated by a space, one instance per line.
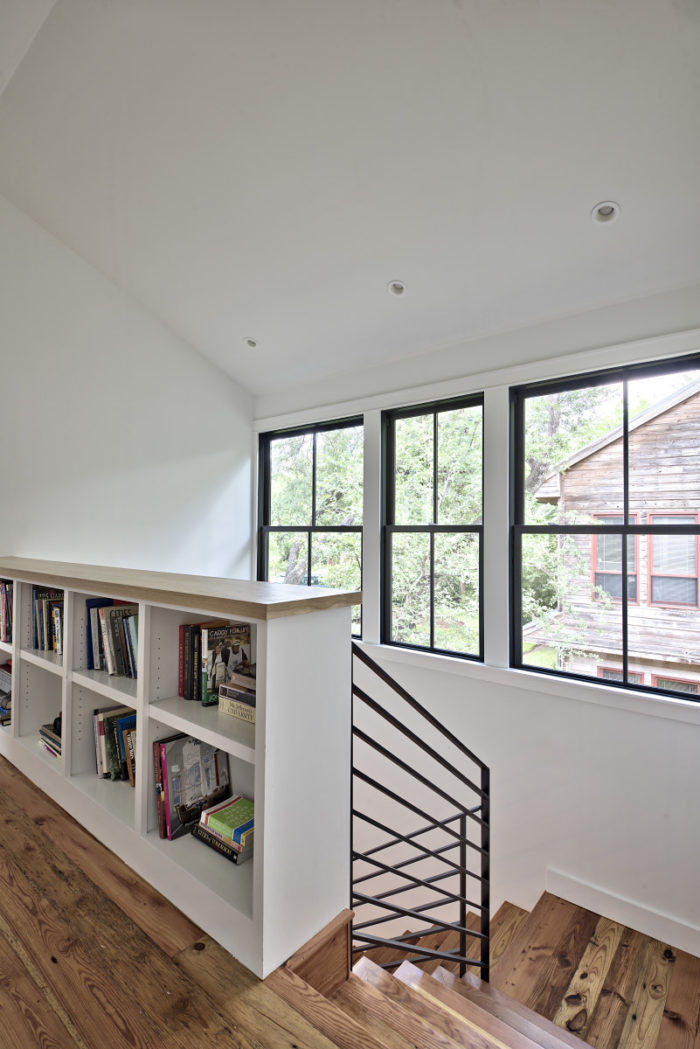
x=457 y=593
x=339 y=459
x=689 y=687
x=673 y=554
x=664 y=424
x=410 y=588
x=673 y=590
x=336 y=561
x=291 y=470
x=616 y=675
x=573 y=457
x=459 y=466
x=288 y=557
x=413 y=490
x=562 y=627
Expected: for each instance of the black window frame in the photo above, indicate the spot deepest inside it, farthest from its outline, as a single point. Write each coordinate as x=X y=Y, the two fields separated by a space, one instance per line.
x=264 y=498
x=518 y=527
x=390 y=528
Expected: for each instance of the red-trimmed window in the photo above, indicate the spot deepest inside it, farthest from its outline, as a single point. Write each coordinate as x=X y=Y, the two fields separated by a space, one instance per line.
x=615 y=674
x=607 y=560
x=673 y=563
x=672 y=684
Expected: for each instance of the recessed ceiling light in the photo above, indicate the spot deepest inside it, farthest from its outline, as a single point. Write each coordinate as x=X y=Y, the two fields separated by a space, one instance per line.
x=606 y=211
x=250 y=343
x=396 y=287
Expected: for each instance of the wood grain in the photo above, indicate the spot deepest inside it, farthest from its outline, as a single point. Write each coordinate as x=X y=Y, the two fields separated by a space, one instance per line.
x=519 y=1017
x=581 y=996
x=393 y=1025
x=340 y=1028
x=680 y=1024
x=614 y=1001
x=229 y=597
x=324 y=961
x=643 y=1020
x=164 y=924
x=259 y=1015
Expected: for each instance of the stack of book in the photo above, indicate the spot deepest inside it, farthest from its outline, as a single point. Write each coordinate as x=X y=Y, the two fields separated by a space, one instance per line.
x=47 y=619
x=237 y=698
x=228 y=828
x=50 y=737
x=208 y=654
x=115 y=743
x=5 y=611
x=111 y=629
x=190 y=776
x=6 y=693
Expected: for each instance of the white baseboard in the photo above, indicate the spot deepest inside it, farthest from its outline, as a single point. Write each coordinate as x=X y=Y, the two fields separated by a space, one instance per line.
x=676 y=933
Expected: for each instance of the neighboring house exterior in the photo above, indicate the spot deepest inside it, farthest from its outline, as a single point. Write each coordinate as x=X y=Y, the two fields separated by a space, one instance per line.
x=663 y=605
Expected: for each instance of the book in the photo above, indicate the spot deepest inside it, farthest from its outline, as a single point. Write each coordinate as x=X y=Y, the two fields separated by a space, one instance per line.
x=93 y=648
x=5 y=610
x=234 y=692
x=158 y=780
x=124 y=722
x=187 y=661
x=193 y=772
x=113 y=761
x=181 y=661
x=231 y=819
x=129 y=743
x=196 y=662
x=224 y=848
x=49 y=733
x=6 y=676
x=236 y=709
x=225 y=645
x=243 y=677
x=105 y=738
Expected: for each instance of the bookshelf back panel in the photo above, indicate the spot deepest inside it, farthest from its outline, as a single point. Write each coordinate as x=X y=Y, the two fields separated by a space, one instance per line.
x=38 y=697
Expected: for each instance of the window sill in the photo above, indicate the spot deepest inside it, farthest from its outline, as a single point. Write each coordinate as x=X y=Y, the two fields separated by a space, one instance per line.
x=564 y=688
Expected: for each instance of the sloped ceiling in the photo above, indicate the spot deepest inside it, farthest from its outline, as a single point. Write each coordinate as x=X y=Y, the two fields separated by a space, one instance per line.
x=263 y=168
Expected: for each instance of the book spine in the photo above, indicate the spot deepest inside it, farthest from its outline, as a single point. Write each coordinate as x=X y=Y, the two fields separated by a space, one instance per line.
x=134 y=640
x=222 y=847
x=117 y=625
x=188 y=661
x=158 y=779
x=181 y=662
x=235 y=709
x=164 y=790
x=106 y=638
x=196 y=664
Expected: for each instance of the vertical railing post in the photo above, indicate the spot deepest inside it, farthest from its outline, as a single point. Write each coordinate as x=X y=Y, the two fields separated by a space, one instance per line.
x=463 y=892
x=485 y=873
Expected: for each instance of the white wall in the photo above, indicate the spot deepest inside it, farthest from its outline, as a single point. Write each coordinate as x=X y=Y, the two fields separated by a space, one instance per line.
x=120 y=443
x=596 y=792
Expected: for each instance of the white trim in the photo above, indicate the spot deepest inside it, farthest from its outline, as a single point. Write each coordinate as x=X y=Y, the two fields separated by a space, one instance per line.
x=594 y=692
x=637 y=351
x=665 y=927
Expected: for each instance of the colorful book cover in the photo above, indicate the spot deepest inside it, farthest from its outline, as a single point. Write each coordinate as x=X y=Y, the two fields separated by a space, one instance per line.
x=193 y=773
x=224 y=848
x=224 y=646
x=92 y=630
x=232 y=818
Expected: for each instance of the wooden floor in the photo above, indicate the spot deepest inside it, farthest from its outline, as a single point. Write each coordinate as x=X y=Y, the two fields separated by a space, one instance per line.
x=92 y=957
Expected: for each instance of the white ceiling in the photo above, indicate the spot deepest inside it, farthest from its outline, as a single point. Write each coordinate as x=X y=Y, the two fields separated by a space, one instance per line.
x=264 y=167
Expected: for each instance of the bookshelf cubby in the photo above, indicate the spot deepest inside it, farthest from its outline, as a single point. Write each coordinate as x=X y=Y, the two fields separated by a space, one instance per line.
x=295 y=761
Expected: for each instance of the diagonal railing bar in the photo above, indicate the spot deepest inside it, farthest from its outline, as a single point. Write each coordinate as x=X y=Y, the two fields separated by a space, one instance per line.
x=384 y=868
x=415 y=705
x=359 y=897
x=418 y=776
x=425 y=952
x=445 y=840
x=408 y=805
x=434 y=825
x=391 y=720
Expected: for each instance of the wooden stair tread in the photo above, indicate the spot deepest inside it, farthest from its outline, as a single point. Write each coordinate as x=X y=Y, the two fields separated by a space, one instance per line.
x=492 y=1027
x=389 y=1021
x=341 y=1029
x=540 y=960
x=540 y=1030
x=502 y=928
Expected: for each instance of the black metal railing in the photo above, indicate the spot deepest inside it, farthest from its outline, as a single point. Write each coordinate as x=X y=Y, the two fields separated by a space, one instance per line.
x=422 y=819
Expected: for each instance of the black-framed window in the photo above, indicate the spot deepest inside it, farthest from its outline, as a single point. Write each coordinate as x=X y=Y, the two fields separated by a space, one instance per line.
x=432 y=534
x=593 y=458
x=310 y=506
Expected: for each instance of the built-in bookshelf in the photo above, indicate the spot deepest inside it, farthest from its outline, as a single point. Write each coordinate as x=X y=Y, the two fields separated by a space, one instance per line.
x=294 y=762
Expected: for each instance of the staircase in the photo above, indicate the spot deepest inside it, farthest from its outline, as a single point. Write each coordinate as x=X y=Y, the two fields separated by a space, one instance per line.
x=561 y=976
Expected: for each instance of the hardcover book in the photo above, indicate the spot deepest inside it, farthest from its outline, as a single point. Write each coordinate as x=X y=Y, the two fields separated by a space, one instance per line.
x=225 y=646
x=193 y=773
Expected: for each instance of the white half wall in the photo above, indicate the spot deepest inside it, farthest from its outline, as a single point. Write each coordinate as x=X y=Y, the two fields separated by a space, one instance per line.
x=120 y=443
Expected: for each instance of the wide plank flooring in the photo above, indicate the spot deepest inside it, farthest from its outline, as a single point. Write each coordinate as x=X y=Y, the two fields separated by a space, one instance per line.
x=91 y=957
